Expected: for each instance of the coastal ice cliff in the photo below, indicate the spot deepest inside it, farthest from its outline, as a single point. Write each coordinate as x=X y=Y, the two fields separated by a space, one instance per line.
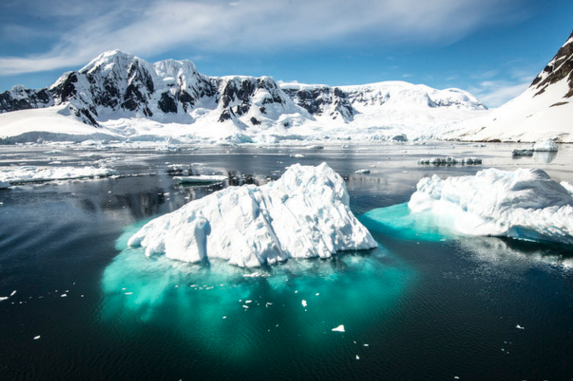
x=303 y=214
x=523 y=204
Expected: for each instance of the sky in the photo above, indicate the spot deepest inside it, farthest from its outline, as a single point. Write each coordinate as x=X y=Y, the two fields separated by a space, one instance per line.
x=491 y=48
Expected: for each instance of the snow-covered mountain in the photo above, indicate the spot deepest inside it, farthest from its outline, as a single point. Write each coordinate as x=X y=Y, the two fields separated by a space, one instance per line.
x=544 y=110
x=122 y=96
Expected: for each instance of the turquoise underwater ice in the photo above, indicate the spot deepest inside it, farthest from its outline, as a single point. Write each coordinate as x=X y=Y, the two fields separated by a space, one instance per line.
x=232 y=310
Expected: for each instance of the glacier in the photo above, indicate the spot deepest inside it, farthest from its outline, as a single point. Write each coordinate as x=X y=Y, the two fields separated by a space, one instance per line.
x=522 y=204
x=304 y=214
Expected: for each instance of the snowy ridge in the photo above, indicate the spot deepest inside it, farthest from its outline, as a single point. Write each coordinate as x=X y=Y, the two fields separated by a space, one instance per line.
x=122 y=95
x=523 y=204
x=304 y=214
x=543 y=111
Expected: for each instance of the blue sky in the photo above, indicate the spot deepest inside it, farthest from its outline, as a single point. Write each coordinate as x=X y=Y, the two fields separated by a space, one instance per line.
x=492 y=48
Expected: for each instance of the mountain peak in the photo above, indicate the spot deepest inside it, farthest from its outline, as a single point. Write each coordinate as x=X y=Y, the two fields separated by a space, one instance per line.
x=560 y=67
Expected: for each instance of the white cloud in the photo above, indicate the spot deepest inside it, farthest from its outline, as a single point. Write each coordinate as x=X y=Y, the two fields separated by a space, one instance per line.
x=496 y=93
x=152 y=27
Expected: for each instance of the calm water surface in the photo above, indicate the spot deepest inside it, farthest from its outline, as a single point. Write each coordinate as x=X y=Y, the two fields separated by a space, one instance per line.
x=423 y=308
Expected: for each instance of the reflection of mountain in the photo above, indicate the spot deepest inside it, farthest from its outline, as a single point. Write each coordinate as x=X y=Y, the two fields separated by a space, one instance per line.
x=516 y=256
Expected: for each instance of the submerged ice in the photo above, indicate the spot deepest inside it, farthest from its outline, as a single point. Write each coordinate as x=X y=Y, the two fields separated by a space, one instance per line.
x=523 y=204
x=304 y=214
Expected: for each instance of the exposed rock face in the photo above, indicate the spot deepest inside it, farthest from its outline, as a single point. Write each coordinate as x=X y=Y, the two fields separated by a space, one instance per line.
x=560 y=67
x=321 y=100
x=119 y=85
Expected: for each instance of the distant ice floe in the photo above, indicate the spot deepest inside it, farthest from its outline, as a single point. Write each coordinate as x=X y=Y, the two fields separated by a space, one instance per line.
x=547 y=145
x=450 y=161
x=304 y=214
x=524 y=204
x=200 y=179
x=28 y=174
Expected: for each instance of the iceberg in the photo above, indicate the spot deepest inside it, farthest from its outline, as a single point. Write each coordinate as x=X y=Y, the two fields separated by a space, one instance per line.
x=303 y=214
x=547 y=145
x=523 y=204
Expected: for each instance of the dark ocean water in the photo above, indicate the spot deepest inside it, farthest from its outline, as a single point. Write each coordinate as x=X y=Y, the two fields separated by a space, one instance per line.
x=425 y=307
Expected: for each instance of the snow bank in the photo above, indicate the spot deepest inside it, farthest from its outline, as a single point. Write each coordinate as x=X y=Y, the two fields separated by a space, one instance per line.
x=525 y=204
x=304 y=214
x=34 y=174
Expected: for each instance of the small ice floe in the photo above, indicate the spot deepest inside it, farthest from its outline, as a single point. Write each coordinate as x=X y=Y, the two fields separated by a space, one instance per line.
x=357 y=357
x=297 y=155
x=522 y=152
x=245 y=306
x=366 y=345
x=448 y=161
x=13 y=293
x=363 y=172
x=519 y=327
x=547 y=145
x=304 y=303
x=128 y=293
x=64 y=296
x=340 y=328
x=248 y=301
x=315 y=146
x=37 y=337
x=2 y=298
x=201 y=179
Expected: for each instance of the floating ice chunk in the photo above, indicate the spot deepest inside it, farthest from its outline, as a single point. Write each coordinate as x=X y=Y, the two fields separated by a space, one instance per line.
x=363 y=172
x=519 y=327
x=63 y=295
x=37 y=337
x=357 y=357
x=201 y=179
x=523 y=204
x=340 y=328
x=304 y=303
x=522 y=152
x=13 y=293
x=547 y=145
x=128 y=293
x=2 y=298
x=449 y=161
x=37 y=174
x=304 y=214
x=297 y=155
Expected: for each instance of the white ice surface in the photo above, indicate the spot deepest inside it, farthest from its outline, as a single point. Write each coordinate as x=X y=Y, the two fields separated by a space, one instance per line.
x=304 y=214
x=547 y=145
x=33 y=173
x=524 y=204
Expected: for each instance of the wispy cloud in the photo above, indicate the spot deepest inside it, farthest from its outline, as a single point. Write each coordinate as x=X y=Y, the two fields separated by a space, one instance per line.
x=151 y=27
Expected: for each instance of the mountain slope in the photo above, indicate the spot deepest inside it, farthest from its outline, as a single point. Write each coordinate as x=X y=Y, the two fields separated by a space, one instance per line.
x=544 y=110
x=131 y=98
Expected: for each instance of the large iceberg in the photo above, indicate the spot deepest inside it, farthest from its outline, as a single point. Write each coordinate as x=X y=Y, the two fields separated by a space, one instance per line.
x=303 y=214
x=524 y=204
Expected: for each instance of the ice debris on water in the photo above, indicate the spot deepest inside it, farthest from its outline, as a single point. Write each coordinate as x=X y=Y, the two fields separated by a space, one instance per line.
x=303 y=214
x=519 y=327
x=449 y=160
x=363 y=172
x=340 y=328
x=304 y=303
x=37 y=337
